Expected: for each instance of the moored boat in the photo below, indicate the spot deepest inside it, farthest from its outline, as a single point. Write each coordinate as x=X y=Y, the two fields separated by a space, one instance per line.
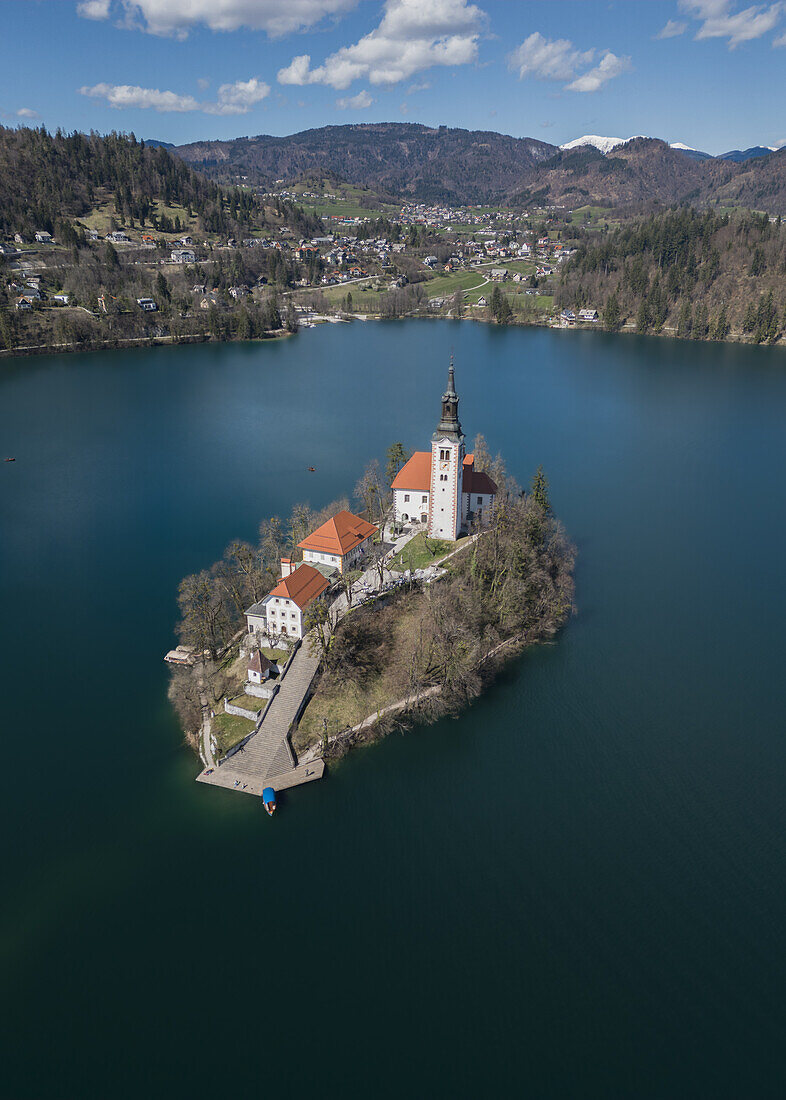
x=269 y=800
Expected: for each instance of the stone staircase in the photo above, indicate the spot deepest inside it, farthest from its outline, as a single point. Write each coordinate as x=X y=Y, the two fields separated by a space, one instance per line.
x=268 y=753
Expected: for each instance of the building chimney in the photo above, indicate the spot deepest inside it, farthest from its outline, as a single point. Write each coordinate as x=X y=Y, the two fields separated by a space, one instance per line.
x=286 y=567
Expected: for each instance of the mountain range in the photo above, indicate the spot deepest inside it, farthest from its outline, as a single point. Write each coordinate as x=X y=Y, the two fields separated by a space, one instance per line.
x=429 y=164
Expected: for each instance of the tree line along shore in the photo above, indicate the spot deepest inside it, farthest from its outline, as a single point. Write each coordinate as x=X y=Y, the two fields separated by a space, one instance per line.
x=107 y=243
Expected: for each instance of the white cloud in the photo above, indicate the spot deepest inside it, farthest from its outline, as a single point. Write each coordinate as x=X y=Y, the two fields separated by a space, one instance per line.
x=93 y=9
x=558 y=59
x=27 y=112
x=719 y=21
x=175 y=18
x=238 y=98
x=357 y=102
x=203 y=82
x=780 y=40
x=420 y=86
x=413 y=35
x=673 y=29
x=548 y=59
x=125 y=96
x=233 y=99
x=609 y=66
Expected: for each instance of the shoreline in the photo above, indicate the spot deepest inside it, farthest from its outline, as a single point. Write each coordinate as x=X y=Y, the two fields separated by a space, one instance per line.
x=123 y=344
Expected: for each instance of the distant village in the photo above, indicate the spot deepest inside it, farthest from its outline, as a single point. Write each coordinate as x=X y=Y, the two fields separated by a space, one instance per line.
x=343 y=271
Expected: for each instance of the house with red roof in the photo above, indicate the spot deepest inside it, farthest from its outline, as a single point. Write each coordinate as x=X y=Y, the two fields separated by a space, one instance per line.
x=340 y=543
x=280 y=615
x=440 y=488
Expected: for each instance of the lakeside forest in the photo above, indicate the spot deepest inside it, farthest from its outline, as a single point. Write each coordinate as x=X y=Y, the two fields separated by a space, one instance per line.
x=440 y=643
x=117 y=210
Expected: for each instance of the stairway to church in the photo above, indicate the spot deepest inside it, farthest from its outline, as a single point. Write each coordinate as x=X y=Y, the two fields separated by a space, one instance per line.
x=269 y=753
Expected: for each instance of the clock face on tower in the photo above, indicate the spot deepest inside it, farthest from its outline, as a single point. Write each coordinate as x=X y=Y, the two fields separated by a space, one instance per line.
x=443 y=465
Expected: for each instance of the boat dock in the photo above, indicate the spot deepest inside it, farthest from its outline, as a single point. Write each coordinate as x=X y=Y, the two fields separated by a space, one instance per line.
x=266 y=758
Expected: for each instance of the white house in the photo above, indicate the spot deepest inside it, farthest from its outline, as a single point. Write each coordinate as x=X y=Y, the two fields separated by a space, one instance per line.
x=61 y=299
x=588 y=315
x=441 y=488
x=280 y=614
x=339 y=543
x=182 y=256
x=147 y=304
x=43 y=238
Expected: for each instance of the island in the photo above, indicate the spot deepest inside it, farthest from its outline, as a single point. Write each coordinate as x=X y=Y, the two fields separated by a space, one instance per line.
x=401 y=614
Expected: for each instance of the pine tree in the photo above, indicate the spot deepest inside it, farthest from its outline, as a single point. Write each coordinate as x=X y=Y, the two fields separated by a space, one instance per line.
x=685 y=322
x=643 y=317
x=700 y=322
x=611 y=314
x=539 y=490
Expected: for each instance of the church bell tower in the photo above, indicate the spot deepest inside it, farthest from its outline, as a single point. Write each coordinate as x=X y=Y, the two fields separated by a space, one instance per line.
x=447 y=467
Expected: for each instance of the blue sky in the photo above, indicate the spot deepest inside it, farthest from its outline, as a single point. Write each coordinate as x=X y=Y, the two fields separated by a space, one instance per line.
x=709 y=73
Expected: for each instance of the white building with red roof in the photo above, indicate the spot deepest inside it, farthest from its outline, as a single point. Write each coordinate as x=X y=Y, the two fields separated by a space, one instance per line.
x=441 y=488
x=280 y=615
x=340 y=543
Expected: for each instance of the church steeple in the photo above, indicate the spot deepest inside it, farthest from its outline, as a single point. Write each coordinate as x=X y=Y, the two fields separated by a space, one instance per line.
x=449 y=426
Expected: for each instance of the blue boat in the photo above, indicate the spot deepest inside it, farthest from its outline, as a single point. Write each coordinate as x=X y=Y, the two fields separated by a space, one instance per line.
x=269 y=800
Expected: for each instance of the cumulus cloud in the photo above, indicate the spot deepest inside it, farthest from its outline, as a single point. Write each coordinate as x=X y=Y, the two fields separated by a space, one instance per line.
x=93 y=9
x=232 y=99
x=673 y=29
x=718 y=20
x=413 y=35
x=27 y=112
x=548 y=59
x=609 y=66
x=357 y=102
x=175 y=18
x=558 y=59
x=238 y=98
x=780 y=40
x=125 y=96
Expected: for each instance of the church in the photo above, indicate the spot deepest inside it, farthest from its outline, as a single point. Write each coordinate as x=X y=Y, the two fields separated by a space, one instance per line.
x=441 y=488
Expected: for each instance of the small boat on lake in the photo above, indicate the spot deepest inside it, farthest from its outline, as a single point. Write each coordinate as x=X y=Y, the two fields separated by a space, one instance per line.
x=312 y=470
x=269 y=800
x=10 y=460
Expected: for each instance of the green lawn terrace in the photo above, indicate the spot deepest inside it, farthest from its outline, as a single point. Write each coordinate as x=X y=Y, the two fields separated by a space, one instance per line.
x=229 y=729
x=422 y=551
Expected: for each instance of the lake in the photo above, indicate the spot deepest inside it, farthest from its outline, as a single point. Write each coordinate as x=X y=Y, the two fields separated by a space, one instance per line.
x=574 y=890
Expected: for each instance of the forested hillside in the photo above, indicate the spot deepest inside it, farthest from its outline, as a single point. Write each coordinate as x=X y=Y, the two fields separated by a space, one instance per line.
x=700 y=275
x=428 y=163
x=47 y=180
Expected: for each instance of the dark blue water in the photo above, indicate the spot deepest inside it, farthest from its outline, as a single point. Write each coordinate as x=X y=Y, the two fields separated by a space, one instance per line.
x=575 y=890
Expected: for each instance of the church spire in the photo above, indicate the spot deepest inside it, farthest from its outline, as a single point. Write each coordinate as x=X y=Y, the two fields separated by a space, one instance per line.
x=449 y=425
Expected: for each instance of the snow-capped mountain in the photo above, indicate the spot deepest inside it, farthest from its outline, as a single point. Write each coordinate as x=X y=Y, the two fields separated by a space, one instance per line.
x=604 y=144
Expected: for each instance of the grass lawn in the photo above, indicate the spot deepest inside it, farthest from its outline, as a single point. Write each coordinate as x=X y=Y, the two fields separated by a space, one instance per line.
x=445 y=286
x=422 y=551
x=228 y=729
x=249 y=702
x=279 y=656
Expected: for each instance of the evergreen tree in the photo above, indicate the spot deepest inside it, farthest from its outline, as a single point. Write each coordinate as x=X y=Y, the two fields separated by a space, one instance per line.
x=395 y=458
x=539 y=490
x=611 y=314
x=700 y=322
x=685 y=322
x=162 y=287
x=643 y=317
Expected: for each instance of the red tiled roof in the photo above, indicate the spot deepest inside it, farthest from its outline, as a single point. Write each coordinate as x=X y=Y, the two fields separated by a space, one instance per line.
x=339 y=535
x=415 y=474
x=302 y=586
x=476 y=482
x=259 y=663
